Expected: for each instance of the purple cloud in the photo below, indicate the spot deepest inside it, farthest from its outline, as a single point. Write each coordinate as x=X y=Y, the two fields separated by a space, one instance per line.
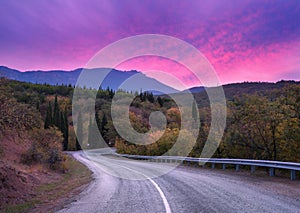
x=241 y=37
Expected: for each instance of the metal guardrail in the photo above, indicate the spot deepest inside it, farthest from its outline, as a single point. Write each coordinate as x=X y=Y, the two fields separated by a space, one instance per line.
x=272 y=165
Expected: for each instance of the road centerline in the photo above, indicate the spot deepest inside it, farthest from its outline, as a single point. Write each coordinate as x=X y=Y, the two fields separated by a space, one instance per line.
x=162 y=195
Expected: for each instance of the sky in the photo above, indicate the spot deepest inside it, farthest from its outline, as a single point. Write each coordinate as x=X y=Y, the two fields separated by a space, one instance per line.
x=255 y=40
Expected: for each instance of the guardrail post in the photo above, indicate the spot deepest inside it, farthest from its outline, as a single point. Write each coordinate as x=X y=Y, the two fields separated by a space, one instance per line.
x=237 y=167
x=293 y=175
x=272 y=172
x=213 y=165
x=252 y=169
x=224 y=166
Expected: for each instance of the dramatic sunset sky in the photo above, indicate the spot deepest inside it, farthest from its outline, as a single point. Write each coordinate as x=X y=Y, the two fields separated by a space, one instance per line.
x=244 y=40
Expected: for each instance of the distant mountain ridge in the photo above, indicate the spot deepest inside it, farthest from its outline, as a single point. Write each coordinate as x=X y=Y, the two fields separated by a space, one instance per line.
x=234 y=90
x=113 y=80
x=116 y=77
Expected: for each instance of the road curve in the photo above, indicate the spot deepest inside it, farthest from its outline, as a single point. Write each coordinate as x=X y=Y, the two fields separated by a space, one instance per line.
x=184 y=189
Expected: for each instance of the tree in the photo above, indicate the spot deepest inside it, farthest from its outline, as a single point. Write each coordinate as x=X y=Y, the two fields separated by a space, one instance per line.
x=49 y=118
x=254 y=127
x=66 y=130
x=42 y=151
x=194 y=111
x=289 y=143
x=103 y=123
x=151 y=97
x=160 y=101
x=56 y=113
x=38 y=105
x=79 y=132
x=98 y=121
x=92 y=134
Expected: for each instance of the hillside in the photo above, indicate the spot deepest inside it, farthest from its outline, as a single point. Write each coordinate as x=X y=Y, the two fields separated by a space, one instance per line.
x=31 y=159
x=234 y=90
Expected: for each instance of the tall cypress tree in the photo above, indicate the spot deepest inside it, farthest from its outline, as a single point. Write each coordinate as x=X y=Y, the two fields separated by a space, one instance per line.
x=56 y=114
x=38 y=105
x=151 y=97
x=98 y=121
x=194 y=110
x=49 y=119
x=79 y=132
x=160 y=101
x=90 y=133
x=61 y=122
x=66 y=130
x=103 y=123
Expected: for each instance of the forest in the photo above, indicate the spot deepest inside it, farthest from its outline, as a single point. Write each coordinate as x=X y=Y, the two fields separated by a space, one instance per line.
x=263 y=120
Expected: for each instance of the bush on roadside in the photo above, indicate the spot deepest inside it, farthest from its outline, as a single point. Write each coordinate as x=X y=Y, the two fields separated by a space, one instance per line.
x=46 y=148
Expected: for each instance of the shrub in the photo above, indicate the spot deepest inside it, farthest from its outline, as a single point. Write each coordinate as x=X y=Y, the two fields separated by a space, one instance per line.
x=46 y=148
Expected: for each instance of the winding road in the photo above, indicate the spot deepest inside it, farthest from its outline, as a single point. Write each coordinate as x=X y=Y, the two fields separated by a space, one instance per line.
x=183 y=189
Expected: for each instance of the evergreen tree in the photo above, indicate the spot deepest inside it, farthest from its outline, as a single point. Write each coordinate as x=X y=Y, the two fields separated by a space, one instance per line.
x=98 y=122
x=56 y=113
x=194 y=110
x=143 y=96
x=66 y=130
x=49 y=119
x=103 y=123
x=61 y=126
x=160 y=101
x=79 y=132
x=38 y=105
x=111 y=93
x=90 y=137
x=151 y=97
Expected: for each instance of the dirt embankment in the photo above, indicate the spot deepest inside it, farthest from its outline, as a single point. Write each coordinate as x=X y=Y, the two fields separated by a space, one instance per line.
x=35 y=188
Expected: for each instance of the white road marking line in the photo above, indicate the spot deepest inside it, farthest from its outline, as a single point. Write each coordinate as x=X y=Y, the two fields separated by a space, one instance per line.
x=162 y=195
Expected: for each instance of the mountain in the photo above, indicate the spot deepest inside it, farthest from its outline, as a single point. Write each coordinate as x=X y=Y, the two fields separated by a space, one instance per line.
x=194 y=90
x=113 y=79
x=238 y=89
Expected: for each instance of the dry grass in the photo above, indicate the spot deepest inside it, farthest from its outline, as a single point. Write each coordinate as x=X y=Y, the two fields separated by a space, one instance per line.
x=53 y=195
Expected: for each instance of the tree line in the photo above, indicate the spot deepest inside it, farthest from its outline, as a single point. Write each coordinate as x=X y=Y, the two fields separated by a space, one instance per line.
x=260 y=125
x=59 y=119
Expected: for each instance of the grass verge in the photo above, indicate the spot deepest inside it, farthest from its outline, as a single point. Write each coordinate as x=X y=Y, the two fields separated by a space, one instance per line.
x=52 y=196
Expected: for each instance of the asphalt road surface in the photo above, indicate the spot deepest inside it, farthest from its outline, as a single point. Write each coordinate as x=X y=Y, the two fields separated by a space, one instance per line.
x=123 y=185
